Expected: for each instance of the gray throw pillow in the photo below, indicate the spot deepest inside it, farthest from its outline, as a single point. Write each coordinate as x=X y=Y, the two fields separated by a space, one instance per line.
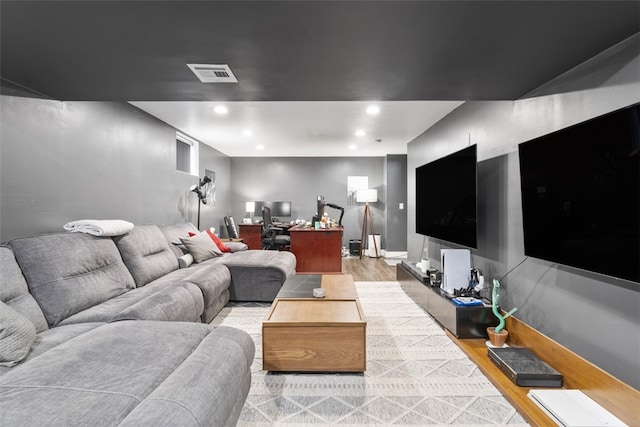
x=201 y=247
x=17 y=335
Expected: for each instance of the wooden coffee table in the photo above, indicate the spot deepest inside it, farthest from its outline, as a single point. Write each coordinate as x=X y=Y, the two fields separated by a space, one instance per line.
x=306 y=334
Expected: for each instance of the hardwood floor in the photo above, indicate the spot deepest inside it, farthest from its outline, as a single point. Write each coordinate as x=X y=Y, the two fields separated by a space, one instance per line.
x=368 y=269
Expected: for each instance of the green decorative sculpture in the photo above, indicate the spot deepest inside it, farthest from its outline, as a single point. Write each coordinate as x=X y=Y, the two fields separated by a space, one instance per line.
x=495 y=300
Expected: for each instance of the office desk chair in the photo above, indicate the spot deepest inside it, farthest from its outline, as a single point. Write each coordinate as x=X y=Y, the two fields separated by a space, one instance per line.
x=230 y=225
x=272 y=237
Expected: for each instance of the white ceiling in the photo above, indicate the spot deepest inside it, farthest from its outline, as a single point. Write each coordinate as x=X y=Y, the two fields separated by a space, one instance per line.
x=304 y=128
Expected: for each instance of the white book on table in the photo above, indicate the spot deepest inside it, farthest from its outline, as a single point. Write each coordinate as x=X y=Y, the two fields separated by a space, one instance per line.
x=573 y=408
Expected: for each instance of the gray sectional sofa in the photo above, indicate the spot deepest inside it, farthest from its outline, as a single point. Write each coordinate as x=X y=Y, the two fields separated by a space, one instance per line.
x=110 y=331
x=255 y=275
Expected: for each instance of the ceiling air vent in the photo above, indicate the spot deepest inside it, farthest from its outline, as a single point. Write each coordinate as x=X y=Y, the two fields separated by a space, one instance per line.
x=213 y=73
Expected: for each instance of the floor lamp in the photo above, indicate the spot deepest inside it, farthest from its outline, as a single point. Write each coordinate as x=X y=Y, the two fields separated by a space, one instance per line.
x=197 y=188
x=367 y=196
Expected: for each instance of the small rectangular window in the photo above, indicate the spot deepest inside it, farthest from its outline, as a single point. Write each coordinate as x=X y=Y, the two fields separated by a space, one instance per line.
x=186 y=154
x=183 y=156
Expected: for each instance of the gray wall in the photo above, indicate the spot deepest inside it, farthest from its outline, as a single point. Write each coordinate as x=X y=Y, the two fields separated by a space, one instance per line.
x=213 y=216
x=301 y=179
x=63 y=161
x=396 y=218
x=595 y=316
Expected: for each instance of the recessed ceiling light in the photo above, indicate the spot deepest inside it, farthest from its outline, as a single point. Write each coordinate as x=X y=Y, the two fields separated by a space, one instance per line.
x=220 y=109
x=247 y=132
x=373 y=110
x=360 y=133
x=353 y=147
x=260 y=147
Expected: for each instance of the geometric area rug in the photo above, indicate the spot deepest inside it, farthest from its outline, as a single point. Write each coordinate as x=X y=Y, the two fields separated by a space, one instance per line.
x=415 y=376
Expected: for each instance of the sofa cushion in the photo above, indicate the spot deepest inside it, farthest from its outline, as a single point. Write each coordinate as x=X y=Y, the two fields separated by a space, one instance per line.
x=15 y=292
x=124 y=371
x=179 y=303
x=174 y=232
x=201 y=247
x=213 y=279
x=258 y=275
x=109 y=310
x=70 y=272
x=180 y=401
x=146 y=253
x=51 y=338
x=17 y=334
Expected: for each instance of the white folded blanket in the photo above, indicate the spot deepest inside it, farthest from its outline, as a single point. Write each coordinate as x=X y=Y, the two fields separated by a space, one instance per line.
x=105 y=228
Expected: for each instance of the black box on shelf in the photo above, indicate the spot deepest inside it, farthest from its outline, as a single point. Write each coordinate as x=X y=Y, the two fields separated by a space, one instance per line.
x=525 y=368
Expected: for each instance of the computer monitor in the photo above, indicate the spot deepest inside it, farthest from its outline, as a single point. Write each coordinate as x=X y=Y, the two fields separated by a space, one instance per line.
x=278 y=209
x=320 y=206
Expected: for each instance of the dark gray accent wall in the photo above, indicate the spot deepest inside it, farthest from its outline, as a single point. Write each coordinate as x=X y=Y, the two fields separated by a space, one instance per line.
x=301 y=179
x=63 y=161
x=595 y=316
x=396 y=216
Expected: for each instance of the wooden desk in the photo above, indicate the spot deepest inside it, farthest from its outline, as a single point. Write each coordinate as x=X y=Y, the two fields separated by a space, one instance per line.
x=317 y=251
x=251 y=234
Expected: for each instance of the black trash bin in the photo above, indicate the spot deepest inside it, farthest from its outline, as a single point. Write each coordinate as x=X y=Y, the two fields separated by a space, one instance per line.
x=354 y=247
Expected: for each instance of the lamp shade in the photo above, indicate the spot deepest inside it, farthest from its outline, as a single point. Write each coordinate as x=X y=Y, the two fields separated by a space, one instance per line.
x=250 y=207
x=368 y=195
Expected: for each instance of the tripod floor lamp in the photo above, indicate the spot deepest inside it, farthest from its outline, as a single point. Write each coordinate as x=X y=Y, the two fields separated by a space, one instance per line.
x=367 y=196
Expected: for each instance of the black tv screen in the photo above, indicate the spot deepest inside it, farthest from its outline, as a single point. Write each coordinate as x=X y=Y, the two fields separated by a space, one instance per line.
x=446 y=205
x=581 y=195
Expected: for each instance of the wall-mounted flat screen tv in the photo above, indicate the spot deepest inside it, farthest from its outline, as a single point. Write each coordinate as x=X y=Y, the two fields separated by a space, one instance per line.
x=446 y=205
x=278 y=209
x=581 y=195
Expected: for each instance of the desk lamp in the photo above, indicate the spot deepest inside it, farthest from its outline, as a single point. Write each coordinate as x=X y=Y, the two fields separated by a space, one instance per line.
x=250 y=207
x=334 y=206
x=367 y=196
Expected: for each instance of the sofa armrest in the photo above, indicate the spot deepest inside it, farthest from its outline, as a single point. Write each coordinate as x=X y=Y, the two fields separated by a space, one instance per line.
x=237 y=246
x=209 y=388
x=185 y=260
x=183 y=303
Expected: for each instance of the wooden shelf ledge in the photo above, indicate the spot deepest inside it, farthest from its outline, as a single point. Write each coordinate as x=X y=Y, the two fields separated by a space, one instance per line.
x=617 y=397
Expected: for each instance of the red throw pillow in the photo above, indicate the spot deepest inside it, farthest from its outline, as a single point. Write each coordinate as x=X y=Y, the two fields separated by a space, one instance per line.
x=218 y=242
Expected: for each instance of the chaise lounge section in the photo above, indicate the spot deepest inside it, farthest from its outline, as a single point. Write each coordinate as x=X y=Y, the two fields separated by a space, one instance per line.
x=255 y=275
